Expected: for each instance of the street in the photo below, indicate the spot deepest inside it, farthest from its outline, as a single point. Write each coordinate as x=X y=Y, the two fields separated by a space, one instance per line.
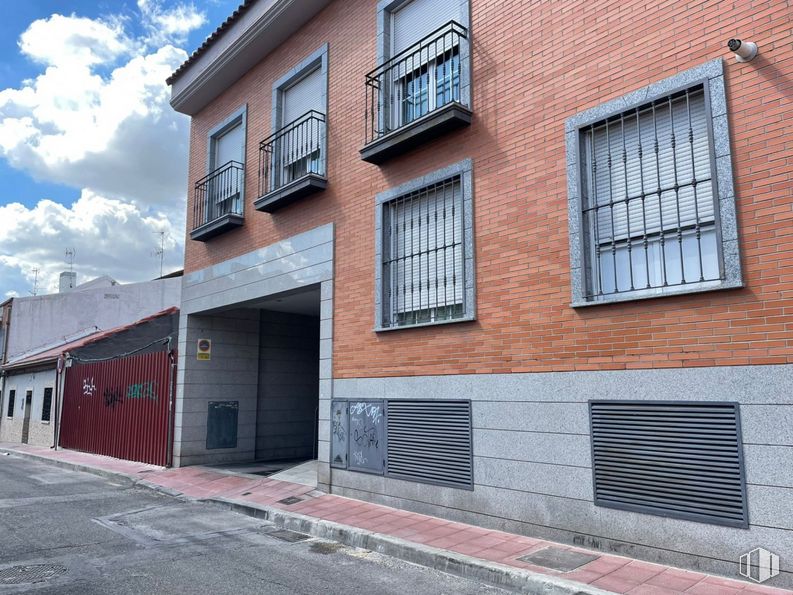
x=78 y=533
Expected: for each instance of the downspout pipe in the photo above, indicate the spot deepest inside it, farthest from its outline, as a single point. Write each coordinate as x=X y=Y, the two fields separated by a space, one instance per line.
x=59 y=376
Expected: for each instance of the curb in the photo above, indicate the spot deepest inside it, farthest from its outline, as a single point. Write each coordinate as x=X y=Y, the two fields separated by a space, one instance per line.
x=126 y=480
x=492 y=573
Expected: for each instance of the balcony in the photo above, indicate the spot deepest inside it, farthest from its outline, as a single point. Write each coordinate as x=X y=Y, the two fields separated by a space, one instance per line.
x=292 y=163
x=419 y=94
x=218 y=201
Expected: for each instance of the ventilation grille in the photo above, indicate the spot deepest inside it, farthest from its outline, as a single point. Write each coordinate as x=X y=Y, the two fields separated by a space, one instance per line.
x=671 y=459
x=430 y=441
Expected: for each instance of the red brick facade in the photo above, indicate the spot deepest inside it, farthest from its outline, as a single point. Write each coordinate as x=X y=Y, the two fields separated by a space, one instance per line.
x=534 y=65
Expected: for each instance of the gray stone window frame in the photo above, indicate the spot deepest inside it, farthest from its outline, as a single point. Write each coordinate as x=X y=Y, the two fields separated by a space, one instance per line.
x=317 y=59
x=237 y=117
x=463 y=169
x=386 y=8
x=711 y=76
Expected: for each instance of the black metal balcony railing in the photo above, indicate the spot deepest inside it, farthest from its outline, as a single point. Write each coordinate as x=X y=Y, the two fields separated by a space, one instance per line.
x=415 y=82
x=219 y=193
x=292 y=153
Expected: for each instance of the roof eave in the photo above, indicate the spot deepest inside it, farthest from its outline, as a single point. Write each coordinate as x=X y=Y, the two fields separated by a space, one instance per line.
x=261 y=29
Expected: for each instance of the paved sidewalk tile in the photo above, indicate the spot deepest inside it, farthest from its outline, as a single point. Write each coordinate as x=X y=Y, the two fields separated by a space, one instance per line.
x=609 y=572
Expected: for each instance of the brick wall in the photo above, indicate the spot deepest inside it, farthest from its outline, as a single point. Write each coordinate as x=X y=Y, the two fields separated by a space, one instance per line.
x=534 y=65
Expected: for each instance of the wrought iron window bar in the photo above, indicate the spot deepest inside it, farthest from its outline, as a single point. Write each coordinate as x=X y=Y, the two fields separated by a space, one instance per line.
x=418 y=81
x=423 y=260
x=658 y=199
x=293 y=152
x=219 y=193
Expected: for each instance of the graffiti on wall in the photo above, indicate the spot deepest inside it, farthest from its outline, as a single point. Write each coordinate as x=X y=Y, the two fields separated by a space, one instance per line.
x=142 y=390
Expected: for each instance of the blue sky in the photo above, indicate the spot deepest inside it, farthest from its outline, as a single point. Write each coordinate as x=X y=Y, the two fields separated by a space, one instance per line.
x=92 y=157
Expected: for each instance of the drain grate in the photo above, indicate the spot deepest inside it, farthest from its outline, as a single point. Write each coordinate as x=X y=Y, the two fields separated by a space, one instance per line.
x=289 y=536
x=290 y=500
x=558 y=558
x=30 y=573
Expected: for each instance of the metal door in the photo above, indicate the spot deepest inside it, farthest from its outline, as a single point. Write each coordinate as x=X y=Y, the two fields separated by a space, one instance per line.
x=121 y=408
x=26 y=423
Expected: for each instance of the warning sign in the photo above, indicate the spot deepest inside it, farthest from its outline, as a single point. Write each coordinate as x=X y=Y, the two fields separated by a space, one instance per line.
x=204 y=349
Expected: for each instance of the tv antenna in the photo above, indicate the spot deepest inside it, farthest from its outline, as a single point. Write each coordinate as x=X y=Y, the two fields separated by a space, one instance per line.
x=35 y=282
x=70 y=257
x=161 y=250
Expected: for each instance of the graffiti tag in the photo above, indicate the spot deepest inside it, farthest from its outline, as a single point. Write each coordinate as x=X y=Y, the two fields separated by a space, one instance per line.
x=113 y=396
x=142 y=390
x=368 y=409
x=88 y=387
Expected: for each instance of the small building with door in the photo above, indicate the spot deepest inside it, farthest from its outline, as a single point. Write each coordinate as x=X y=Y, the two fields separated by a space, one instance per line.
x=49 y=395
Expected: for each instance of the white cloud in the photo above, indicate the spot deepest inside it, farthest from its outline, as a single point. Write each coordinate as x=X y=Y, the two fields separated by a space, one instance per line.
x=110 y=130
x=62 y=40
x=169 y=25
x=97 y=118
x=108 y=236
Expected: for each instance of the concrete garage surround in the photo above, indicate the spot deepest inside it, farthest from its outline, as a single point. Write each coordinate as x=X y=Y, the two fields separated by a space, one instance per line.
x=533 y=460
x=219 y=303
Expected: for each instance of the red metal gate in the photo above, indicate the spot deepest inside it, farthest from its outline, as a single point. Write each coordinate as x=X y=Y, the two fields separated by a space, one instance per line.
x=120 y=408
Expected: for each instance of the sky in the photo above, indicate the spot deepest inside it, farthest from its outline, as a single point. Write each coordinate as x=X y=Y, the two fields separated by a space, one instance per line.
x=93 y=160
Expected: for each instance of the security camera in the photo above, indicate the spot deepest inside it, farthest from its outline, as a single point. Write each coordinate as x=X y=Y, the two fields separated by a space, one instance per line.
x=743 y=50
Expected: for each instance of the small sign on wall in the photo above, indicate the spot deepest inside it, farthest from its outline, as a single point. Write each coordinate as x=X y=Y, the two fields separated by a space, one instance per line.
x=204 y=351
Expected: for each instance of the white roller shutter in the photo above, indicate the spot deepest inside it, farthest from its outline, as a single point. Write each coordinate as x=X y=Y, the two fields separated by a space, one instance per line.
x=303 y=96
x=229 y=147
x=427 y=258
x=634 y=175
x=418 y=18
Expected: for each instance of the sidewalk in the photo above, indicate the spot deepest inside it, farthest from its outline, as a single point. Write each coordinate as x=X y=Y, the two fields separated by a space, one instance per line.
x=458 y=548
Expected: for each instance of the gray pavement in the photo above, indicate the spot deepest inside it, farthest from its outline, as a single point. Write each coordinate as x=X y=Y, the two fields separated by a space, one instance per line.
x=81 y=534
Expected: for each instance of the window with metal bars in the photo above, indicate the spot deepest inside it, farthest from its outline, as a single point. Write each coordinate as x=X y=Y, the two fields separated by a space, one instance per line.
x=423 y=255
x=12 y=394
x=46 y=405
x=648 y=197
x=651 y=191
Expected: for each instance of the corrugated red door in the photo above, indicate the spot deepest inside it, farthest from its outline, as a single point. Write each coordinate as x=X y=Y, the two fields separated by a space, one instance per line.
x=119 y=408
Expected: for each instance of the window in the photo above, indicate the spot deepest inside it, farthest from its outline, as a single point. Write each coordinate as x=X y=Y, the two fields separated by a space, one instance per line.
x=46 y=405
x=423 y=73
x=648 y=220
x=219 y=197
x=292 y=160
x=673 y=459
x=11 y=398
x=299 y=151
x=426 y=252
x=426 y=81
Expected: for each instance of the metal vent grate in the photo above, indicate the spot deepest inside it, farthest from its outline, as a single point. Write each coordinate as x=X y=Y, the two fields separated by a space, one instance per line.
x=430 y=441
x=673 y=459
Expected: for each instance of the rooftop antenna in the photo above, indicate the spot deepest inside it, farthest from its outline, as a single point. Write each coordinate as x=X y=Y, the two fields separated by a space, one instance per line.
x=161 y=250
x=35 y=282
x=70 y=257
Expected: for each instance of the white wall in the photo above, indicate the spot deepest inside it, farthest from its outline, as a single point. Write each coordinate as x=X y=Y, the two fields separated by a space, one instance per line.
x=45 y=320
x=40 y=433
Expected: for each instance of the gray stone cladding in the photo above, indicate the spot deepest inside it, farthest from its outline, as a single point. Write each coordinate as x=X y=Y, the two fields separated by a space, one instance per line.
x=533 y=470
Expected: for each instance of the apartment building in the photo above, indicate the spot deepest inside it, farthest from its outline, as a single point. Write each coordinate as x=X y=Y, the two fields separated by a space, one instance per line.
x=522 y=264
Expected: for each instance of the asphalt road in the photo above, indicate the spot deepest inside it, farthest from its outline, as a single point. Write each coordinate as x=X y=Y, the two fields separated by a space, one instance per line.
x=75 y=533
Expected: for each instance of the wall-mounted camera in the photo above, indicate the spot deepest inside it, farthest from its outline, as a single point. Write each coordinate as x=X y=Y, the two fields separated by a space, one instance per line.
x=743 y=50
